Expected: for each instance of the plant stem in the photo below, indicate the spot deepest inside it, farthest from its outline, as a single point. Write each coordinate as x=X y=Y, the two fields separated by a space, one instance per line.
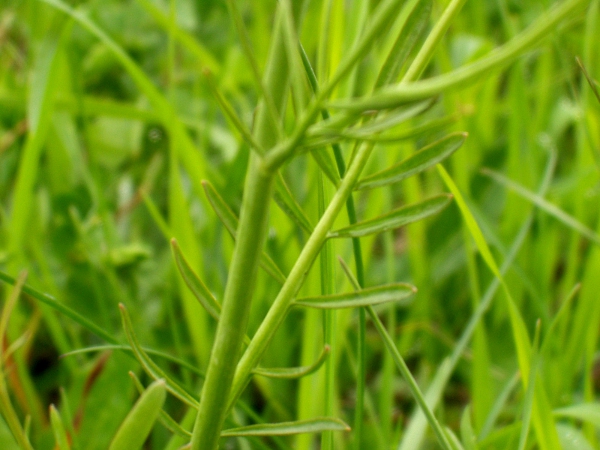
x=236 y=307
x=250 y=238
x=297 y=275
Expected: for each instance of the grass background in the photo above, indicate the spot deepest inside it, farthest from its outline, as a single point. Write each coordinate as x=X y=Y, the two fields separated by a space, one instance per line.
x=103 y=146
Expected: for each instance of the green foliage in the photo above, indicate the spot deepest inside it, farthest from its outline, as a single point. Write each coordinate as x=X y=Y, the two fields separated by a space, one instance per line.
x=172 y=171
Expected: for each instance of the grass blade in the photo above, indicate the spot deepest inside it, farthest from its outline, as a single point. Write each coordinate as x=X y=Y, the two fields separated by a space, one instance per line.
x=139 y=422
x=588 y=412
x=58 y=429
x=163 y=417
x=288 y=204
x=53 y=303
x=402 y=367
x=6 y=409
x=544 y=205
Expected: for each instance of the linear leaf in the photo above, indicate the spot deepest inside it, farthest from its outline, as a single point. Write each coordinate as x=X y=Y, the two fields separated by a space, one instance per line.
x=397 y=292
x=467 y=434
x=150 y=366
x=384 y=138
x=572 y=438
x=419 y=161
x=139 y=422
x=588 y=412
x=126 y=348
x=164 y=418
x=200 y=291
x=58 y=429
x=542 y=420
x=60 y=307
x=396 y=218
x=422 y=401
x=589 y=79
x=288 y=428
x=452 y=439
x=288 y=204
x=294 y=372
x=545 y=205
x=327 y=164
x=230 y=221
x=416 y=24
x=381 y=123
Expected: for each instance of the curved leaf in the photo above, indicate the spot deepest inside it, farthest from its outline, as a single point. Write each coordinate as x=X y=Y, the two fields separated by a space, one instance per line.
x=398 y=292
x=288 y=428
x=288 y=204
x=150 y=366
x=294 y=372
x=396 y=218
x=417 y=162
x=139 y=422
x=381 y=123
x=200 y=291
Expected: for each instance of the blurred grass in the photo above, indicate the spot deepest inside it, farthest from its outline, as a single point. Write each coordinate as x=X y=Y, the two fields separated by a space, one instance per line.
x=92 y=122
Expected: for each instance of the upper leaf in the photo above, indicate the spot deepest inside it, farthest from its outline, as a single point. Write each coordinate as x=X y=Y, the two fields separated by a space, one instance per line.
x=417 y=162
x=395 y=218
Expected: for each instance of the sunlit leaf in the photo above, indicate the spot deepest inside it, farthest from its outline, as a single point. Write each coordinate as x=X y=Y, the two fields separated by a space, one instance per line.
x=396 y=218
x=288 y=428
x=399 y=292
x=415 y=163
x=294 y=372
x=588 y=412
x=139 y=422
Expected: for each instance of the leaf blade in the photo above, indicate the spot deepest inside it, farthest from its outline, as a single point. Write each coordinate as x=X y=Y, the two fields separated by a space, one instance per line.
x=417 y=162
x=288 y=428
x=395 y=218
x=397 y=292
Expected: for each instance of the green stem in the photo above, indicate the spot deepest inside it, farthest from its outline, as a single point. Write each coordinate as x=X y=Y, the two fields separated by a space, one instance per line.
x=236 y=307
x=297 y=275
x=250 y=238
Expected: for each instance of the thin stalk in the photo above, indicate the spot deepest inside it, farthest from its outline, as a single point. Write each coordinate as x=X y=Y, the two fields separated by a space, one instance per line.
x=426 y=52
x=297 y=275
x=236 y=307
x=251 y=235
x=327 y=287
